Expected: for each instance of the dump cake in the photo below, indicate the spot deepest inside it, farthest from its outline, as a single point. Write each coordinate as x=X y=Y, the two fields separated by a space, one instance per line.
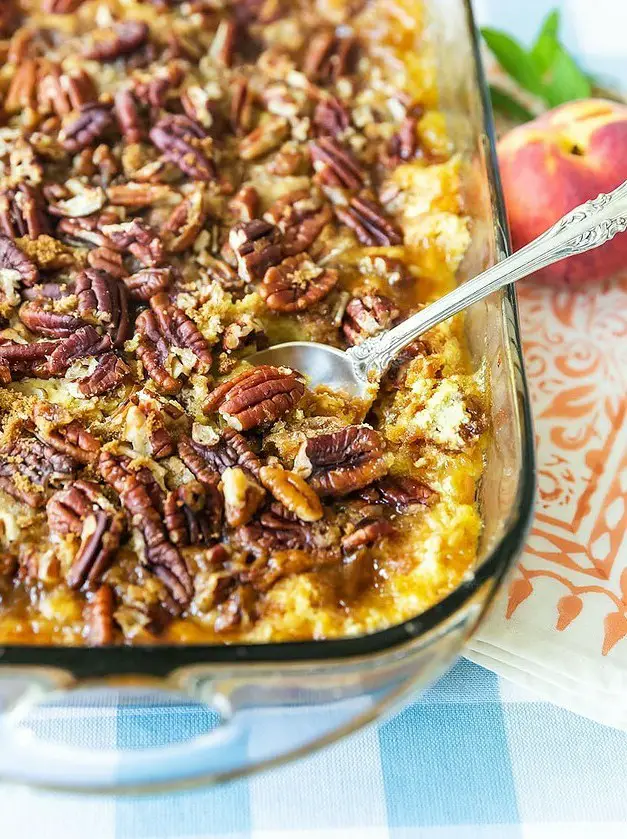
x=182 y=184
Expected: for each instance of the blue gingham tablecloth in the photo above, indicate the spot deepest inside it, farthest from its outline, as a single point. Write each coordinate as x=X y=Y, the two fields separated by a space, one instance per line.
x=475 y=758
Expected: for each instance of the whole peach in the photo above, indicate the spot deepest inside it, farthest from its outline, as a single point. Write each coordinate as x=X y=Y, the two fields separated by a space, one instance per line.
x=552 y=164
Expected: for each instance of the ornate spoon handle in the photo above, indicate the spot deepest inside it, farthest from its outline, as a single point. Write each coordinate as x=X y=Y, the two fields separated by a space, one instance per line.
x=587 y=226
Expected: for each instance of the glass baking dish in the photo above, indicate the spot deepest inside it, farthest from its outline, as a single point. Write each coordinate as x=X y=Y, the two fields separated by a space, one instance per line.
x=269 y=703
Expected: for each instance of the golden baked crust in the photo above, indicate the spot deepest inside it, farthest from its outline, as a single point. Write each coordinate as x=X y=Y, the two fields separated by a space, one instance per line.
x=180 y=185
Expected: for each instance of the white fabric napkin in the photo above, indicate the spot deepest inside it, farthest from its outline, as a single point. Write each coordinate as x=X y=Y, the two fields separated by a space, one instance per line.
x=560 y=628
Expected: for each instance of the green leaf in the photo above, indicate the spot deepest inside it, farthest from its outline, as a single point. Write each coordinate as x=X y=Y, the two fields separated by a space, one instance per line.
x=514 y=59
x=545 y=48
x=508 y=106
x=565 y=80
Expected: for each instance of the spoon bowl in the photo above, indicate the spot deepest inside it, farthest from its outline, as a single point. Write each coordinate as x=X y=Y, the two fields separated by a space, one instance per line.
x=357 y=371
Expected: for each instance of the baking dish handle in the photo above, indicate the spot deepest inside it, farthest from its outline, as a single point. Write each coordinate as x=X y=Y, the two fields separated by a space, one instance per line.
x=242 y=739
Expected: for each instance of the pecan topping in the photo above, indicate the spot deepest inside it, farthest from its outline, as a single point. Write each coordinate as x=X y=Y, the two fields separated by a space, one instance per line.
x=186 y=222
x=245 y=203
x=163 y=326
x=101 y=624
x=345 y=460
x=145 y=422
x=329 y=57
x=242 y=101
x=127 y=115
x=208 y=463
x=104 y=298
x=108 y=261
x=122 y=39
x=265 y=138
x=22 y=360
x=367 y=315
x=184 y=143
x=189 y=517
x=257 y=246
x=70 y=438
x=301 y=218
x=60 y=93
x=86 y=341
x=238 y=609
x=224 y=41
x=371 y=226
x=292 y=491
x=256 y=397
x=335 y=165
x=331 y=117
x=138 y=238
x=405 y=492
x=404 y=145
x=28 y=466
x=368 y=532
x=242 y=495
x=81 y=131
x=146 y=283
x=110 y=372
x=45 y=321
x=83 y=510
x=137 y=495
x=22 y=213
x=15 y=266
x=296 y=284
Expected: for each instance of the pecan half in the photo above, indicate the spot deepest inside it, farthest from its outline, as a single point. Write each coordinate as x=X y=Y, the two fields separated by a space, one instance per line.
x=110 y=372
x=22 y=360
x=144 y=284
x=108 y=261
x=186 y=222
x=296 y=284
x=345 y=460
x=101 y=623
x=60 y=93
x=70 y=438
x=81 y=131
x=22 y=212
x=180 y=140
x=83 y=510
x=405 y=492
x=292 y=491
x=15 y=266
x=257 y=246
x=245 y=203
x=122 y=39
x=265 y=138
x=104 y=298
x=242 y=495
x=242 y=101
x=137 y=495
x=404 y=145
x=368 y=221
x=256 y=397
x=239 y=608
x=28 y=466
x=224 y=42
x=366 y=316
x=127 y=115
x=334 y=164
x=145 y=428
x=138 y=238
x=163 y=326
x=329 y=57
x=368 y=532
x=189 y=516
x=42 y=320
x=331 y=118
x=301 y=217
x=86 y=341
x=208 y=463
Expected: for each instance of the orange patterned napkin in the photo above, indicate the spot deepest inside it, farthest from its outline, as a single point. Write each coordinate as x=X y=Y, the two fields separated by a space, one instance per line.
x=561 y=627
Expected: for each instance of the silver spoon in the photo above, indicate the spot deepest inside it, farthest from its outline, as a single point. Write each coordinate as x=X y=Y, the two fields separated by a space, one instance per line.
x=359 y=369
